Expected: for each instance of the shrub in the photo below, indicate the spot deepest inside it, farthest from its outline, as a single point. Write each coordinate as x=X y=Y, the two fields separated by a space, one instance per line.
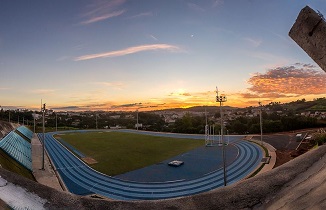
x=320 y=138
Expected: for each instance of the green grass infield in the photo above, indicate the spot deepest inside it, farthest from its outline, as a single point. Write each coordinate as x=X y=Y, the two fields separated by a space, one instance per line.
x=118 y=152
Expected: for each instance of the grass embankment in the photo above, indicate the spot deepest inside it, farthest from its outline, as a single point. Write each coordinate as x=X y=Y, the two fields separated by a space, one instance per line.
x=39 y=129
x=11 y=165
x=118 y=153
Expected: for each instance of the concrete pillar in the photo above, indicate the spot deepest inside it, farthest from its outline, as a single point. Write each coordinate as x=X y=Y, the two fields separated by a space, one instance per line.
x=309 y=32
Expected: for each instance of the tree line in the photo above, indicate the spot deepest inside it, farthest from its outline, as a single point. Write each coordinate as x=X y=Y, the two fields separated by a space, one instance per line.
x=189 y=123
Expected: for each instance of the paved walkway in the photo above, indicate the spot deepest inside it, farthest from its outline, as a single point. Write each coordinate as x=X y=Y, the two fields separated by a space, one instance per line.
x=271 y=151
x=47 y=176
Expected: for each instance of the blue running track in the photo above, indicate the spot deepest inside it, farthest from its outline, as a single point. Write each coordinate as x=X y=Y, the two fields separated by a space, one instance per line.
x=82 y=180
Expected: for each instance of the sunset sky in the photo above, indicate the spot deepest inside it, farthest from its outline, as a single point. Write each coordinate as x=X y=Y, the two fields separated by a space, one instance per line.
x=153 y=54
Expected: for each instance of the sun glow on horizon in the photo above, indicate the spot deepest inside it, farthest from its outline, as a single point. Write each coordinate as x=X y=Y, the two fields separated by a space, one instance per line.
x=113 y=55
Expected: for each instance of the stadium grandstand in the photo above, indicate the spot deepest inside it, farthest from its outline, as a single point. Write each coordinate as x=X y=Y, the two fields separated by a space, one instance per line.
x=17 y=145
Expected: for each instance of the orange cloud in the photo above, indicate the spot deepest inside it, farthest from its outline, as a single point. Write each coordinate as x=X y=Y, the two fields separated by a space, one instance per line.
x=298 y=79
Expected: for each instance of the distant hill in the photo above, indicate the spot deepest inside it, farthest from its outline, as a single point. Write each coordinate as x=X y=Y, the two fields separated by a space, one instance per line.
x=210 y=109
x=303 y=105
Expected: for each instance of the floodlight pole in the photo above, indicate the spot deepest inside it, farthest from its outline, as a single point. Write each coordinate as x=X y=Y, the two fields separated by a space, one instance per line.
x=221 y=99
x=43 y=136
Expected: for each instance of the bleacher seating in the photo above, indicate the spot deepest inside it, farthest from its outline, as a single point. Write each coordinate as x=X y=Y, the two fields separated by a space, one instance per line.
x=25 y=131
x=18 y=148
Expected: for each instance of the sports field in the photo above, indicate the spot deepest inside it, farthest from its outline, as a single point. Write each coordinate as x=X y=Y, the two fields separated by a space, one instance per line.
x=119 y=152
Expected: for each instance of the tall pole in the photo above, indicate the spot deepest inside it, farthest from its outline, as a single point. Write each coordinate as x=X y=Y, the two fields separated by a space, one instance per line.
x=137 y=120
x=9 y=115
x=96 y=120
x=56 y=122
x=221 y=113
x=206 y=130
x=221 y=99
x=43 y=136
x=223 y=146
x=261 y=123
x=34 y=121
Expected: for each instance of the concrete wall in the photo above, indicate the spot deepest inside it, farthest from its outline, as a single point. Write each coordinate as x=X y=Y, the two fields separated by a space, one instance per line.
x=6 y=127
x=309 y=32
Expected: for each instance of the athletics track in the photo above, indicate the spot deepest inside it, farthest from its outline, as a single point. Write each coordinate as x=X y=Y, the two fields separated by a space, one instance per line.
x=82 y=180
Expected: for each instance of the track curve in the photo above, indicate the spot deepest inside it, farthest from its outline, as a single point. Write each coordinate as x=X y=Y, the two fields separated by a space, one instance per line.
x=81 y=179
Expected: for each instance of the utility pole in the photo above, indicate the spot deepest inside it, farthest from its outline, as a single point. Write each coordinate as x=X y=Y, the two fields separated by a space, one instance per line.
x=34 y=120
x=56 y=122
x=221 y=99
x=43 y=136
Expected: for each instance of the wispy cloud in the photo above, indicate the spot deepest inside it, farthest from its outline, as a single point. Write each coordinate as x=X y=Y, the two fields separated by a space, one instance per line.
x=4 y=88
x=102 y=10
x=217 y=3
x=103 y=17
x=63 y=58
x=44 y=91
x=129 y=50
x=264 y=56
x=153 y=37
x=253 y=42
x=196 y=7
x=144 y=14
x=116 y=85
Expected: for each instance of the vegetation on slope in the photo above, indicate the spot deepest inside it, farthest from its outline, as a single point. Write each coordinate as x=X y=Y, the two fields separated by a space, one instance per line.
x=8 y=163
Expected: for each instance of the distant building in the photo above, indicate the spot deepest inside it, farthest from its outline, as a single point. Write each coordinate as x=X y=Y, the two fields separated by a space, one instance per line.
x=115 y=116
x=115 y=127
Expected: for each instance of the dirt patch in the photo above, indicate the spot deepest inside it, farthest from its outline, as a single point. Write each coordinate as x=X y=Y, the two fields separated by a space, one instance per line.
x=89 y=160
x=285 y=155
